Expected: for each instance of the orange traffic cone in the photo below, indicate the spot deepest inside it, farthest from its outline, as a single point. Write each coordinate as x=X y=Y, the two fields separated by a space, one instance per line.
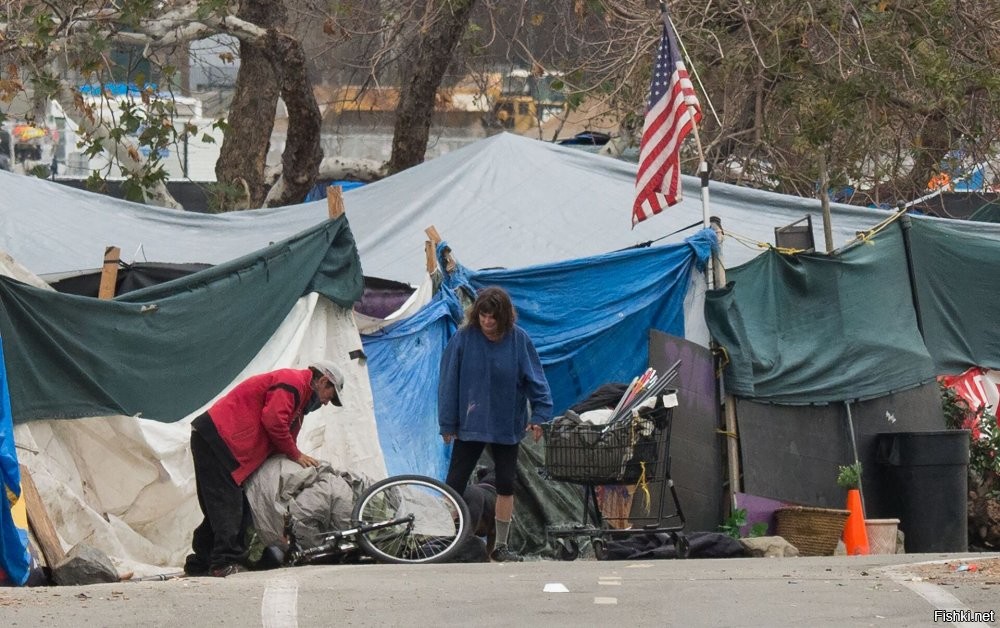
x=855 y=536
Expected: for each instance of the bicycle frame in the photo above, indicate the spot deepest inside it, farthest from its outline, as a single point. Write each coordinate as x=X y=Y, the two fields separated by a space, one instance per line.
x=338 y=541
x=435 y=524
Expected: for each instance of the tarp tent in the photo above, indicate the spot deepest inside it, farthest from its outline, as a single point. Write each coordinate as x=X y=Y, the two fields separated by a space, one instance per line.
x=124 y=484
x=505 y=201
x=589 y=319
x=855 y=340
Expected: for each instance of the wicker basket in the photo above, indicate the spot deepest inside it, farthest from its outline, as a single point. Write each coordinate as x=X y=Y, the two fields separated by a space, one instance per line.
x=813 y=531
x=882 y=535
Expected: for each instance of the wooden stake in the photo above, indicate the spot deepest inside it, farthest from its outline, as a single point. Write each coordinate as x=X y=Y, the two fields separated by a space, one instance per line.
x=335 y=201
x=433 y=234
x=435 y=239
x=38 y=520
x=109 y=273
x=429 y=256
x=729 y=407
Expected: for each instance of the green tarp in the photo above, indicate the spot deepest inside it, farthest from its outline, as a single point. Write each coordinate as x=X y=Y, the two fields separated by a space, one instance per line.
x=812 y=328
x=817 y=328
x=958 y=283
x=164 y=351
x=989 y=212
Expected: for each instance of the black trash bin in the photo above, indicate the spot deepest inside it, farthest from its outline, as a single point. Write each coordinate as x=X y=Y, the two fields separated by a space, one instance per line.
x=926 y=485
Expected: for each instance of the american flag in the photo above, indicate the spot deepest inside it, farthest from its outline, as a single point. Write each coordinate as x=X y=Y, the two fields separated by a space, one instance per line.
x=672 y=112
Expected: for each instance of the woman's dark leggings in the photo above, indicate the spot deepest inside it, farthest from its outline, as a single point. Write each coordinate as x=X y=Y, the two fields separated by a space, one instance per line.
x=465 y=455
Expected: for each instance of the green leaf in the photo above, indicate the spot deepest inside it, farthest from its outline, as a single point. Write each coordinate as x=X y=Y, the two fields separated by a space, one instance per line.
x=849 y=476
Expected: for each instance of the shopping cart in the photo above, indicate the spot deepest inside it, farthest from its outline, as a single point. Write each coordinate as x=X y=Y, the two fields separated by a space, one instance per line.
x=632 y=452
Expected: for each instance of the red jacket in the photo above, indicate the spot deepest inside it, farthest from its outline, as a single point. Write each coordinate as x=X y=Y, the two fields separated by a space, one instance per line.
x=261 y=416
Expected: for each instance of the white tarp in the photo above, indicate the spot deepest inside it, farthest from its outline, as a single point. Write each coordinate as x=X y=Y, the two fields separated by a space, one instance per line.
x=126 y=485
x=9 y=267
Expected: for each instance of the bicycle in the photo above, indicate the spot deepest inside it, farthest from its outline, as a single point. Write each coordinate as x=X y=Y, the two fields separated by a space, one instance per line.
x=401 y=519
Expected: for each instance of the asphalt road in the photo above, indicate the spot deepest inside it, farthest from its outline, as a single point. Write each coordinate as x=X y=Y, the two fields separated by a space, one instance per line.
x=827 y=591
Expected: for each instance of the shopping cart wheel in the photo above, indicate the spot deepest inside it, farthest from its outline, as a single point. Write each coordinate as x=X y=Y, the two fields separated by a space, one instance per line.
x=682 y=544
x=600 y=548
x=568 y=549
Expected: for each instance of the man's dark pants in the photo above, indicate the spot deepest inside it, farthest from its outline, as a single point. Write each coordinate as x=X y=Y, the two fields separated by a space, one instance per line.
x=219 y=540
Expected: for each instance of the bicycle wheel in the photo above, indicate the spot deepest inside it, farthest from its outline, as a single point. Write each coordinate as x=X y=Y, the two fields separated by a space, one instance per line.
x=420 y=519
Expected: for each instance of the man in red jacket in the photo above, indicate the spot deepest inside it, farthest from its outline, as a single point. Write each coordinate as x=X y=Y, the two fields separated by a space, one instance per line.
x=260 y=417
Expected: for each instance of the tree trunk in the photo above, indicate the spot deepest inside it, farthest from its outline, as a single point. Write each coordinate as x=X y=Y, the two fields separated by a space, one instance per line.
x=434 y=48
x=302 y=155
x=251 y=114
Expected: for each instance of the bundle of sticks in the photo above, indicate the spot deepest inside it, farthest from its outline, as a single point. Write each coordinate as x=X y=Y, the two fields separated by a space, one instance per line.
x=643 y=387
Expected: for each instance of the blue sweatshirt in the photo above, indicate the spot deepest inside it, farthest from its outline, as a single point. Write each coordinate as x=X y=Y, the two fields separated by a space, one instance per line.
x=485 y=387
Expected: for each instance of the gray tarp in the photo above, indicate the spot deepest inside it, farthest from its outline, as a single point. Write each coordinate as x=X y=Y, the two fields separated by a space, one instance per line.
x=504 y=201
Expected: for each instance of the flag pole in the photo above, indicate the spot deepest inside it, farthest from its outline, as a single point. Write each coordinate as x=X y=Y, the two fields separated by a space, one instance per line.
x=715 y=275
x=706 y=219
x=710 y=272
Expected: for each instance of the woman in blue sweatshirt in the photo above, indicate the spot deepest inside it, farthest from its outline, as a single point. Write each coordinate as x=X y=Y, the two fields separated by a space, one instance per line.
x=490 y=371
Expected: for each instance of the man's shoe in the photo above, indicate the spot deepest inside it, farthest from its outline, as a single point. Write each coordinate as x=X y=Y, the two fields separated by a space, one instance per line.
x=194 y=567
x=503 y=554
x=227 y=570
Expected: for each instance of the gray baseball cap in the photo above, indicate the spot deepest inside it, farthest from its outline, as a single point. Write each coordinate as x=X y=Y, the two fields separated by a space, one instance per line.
x=334 y=374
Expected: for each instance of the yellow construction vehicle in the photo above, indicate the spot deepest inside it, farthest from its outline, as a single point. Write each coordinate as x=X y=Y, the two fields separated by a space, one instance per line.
x=525 y=100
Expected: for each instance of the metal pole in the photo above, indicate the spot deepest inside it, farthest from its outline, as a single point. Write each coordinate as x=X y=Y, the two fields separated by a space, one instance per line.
x=854 y=450
x=906 y=224
x=705 y=217
x=713 y=263
x=824 y=200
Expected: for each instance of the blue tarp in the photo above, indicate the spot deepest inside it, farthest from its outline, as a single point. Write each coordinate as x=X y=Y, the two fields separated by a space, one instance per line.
x=589 y=318
x=403 y=361
x=14 y=557
x=318 y=191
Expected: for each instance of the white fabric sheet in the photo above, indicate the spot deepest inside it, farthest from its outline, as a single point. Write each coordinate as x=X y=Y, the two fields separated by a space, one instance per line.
x=126 y=485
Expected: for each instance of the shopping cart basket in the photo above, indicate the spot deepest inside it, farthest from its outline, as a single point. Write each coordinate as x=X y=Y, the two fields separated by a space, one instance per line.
x=635 y=452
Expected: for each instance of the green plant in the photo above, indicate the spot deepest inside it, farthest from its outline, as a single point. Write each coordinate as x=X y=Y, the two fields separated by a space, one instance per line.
x=984 y=434
x=41 y=171
x=849 y=476
x=736 y=520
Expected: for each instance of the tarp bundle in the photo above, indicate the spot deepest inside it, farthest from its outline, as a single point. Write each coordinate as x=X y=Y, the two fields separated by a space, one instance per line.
x=814 y=328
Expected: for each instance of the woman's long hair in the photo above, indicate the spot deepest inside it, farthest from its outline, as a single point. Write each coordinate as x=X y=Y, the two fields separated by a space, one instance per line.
x=495 y=302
